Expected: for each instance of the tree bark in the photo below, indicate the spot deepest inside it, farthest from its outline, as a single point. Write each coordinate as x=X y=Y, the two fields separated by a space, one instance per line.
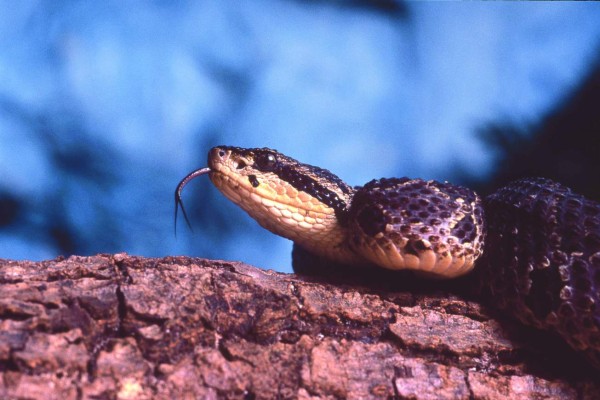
x=117 y=326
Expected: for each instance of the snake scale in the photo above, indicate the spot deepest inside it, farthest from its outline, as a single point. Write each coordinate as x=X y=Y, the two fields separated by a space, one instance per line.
x=536 y=243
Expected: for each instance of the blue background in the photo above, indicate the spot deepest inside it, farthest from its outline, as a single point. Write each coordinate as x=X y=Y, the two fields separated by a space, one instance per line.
x=105 y=106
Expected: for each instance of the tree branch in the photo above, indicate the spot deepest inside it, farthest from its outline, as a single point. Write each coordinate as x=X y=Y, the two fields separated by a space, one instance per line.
x=116 y=326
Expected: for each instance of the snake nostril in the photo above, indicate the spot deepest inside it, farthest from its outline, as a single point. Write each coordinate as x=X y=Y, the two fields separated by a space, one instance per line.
x=218 y=153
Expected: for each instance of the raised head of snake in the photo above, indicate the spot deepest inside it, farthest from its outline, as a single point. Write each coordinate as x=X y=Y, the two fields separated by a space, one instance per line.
x=431 y=227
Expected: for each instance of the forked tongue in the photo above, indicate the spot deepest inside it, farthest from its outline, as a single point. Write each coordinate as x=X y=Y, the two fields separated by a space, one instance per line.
x=180 y=186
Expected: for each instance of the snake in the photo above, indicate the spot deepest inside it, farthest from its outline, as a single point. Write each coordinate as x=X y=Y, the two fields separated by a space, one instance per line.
x=534 y=244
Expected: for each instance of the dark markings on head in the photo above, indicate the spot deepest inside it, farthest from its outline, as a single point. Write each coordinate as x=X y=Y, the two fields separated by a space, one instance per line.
x=253 y=181
x=301 y=181
x=302 y=177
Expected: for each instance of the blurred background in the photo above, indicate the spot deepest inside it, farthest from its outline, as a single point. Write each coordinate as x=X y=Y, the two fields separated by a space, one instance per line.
x=105 y=106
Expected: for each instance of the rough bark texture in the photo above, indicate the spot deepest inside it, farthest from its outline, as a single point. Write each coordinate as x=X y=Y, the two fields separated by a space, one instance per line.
x=133 y=328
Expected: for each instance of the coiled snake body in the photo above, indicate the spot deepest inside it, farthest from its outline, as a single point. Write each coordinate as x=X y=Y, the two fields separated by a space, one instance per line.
x=536 y=243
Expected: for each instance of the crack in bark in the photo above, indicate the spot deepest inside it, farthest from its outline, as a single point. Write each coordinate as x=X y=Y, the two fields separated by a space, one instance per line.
x=468 y=384
x=118 y=330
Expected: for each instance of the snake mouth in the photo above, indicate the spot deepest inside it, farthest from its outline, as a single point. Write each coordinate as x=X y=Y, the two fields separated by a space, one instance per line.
x=239 y=189
x=249 y=198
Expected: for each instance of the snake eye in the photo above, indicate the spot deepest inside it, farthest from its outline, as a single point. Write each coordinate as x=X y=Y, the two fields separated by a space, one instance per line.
x=266 y=161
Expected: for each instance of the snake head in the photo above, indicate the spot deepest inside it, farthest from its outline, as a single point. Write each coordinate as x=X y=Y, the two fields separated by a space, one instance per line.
x=265 y=175
x=301 y=202
x=268 y=184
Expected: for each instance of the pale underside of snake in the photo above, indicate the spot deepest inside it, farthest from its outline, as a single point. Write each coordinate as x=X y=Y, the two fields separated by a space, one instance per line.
x=535 y=243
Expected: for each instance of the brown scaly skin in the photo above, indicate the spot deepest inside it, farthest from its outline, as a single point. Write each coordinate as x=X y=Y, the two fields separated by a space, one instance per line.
x=430 y=227
x=542 y=259
x=540 y=242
